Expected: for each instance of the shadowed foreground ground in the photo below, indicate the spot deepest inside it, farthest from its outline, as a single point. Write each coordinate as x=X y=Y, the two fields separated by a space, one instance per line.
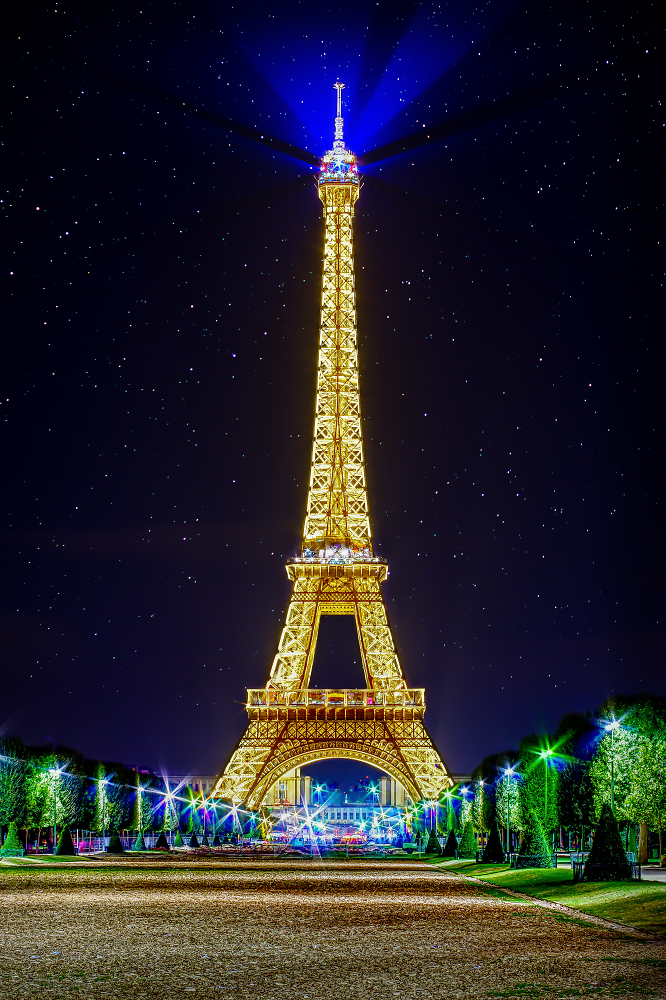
x=299 y=929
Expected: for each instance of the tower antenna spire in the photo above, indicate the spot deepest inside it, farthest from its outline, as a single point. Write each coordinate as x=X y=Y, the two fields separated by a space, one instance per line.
x=338 y=120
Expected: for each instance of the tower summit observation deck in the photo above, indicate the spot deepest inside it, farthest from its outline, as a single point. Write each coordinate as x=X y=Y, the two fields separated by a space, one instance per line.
x=336 y=571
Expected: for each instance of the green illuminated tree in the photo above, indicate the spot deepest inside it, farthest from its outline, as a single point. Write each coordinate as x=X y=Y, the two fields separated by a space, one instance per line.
x=120 y=800
x=12 y=843
x=13 y=783
x=507 y=793
x=468 y=846
x=142 y=817
x=533 y=842
x=101 y=817
x=576 y=797
x=540 y=779
x=646 y=799
x=630 y=764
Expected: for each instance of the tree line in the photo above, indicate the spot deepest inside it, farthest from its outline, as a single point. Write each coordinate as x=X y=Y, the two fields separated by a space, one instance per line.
x=614 y=756
x=43 y=785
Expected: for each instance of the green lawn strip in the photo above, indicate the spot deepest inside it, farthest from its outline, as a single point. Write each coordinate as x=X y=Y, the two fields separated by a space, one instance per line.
x=638 y=904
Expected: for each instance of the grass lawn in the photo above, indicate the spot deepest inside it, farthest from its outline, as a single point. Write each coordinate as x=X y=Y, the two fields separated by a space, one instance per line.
x=639 y=904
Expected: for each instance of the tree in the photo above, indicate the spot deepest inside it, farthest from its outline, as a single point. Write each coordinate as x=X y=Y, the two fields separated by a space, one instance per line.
x=162 y=844
x=467 y=847
x=646 y=800
x=115 y=844
x=534 y=845
x=142 y=805
x=65 y=845
x=576 y=797
x=432 y=846
x=451 y=845
x=630 y=763
x=12 y=783
x=120 y=780
x=539 y=786
x=139 y=844
x=12 y=844
x=607 y=860
x=101 y=818
x=52 y=791
x=493 y=851
x=507 y=793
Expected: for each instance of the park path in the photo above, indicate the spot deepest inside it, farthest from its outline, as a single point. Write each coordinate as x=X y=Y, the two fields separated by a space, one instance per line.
x=309 y=930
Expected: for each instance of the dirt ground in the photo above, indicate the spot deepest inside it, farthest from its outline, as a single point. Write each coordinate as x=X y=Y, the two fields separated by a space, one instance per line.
x=299 y=929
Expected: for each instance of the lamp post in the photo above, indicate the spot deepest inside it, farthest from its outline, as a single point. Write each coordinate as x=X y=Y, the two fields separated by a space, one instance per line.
x=465 y=815
x=102 y=784
x=509 y=774
x=610 y=728
x=55 y=774
x=545 y=755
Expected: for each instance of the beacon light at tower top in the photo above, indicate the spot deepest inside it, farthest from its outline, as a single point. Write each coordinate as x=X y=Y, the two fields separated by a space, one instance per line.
x=338 y=165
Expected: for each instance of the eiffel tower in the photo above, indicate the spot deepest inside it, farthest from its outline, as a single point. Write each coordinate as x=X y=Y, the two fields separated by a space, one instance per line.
x=336 y=573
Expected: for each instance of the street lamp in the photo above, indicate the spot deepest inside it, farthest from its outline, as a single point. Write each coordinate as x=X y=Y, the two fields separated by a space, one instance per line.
x=544 y=755
x=509 y=774
x=448 y=811
x=103 y=782
x=55 y=773
x=610 y=728
x=168 y=801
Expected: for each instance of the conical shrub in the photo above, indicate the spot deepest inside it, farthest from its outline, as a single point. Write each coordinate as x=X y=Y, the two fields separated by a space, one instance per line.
x=139 y=844
x=467 y=847
x=451 y=845
x=493 y=851
x=607 y=860
x=216 y=841
x=432 y=847
x=162 y=844
x=193 y=841
x=534 y=843
x=179 y=842
x=115 y=843
x=12 y=844
x=65 y=845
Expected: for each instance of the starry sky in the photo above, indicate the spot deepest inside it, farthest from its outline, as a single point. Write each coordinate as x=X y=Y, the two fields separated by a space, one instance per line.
x=160 y=295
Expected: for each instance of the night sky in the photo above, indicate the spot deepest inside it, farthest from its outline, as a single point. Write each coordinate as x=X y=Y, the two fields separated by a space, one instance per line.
x=162 y=277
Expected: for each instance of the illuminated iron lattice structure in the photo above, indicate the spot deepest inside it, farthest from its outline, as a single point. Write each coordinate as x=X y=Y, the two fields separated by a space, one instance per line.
x=337 y=572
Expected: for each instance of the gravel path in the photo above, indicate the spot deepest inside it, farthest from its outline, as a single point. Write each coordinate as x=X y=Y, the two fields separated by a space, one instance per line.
x=303 y=930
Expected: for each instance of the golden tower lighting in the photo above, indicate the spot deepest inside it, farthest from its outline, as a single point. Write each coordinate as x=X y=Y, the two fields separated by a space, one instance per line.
x=336 y=572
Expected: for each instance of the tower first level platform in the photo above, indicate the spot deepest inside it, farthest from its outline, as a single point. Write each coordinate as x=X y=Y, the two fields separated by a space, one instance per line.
x=289 y=729
x=336 y=572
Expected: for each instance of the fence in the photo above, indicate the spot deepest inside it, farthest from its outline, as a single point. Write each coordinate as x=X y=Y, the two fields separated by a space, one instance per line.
x=96 y=845
x=605 y=873
x=533 y=860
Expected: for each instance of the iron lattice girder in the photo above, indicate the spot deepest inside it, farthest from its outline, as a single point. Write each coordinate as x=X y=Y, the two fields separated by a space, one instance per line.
x=391 y=735
x=327 y=594
x=337 y=509
x=279 y=738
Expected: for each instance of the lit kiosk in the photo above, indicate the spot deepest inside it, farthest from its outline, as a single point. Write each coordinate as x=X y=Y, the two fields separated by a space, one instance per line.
x=336 y=573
